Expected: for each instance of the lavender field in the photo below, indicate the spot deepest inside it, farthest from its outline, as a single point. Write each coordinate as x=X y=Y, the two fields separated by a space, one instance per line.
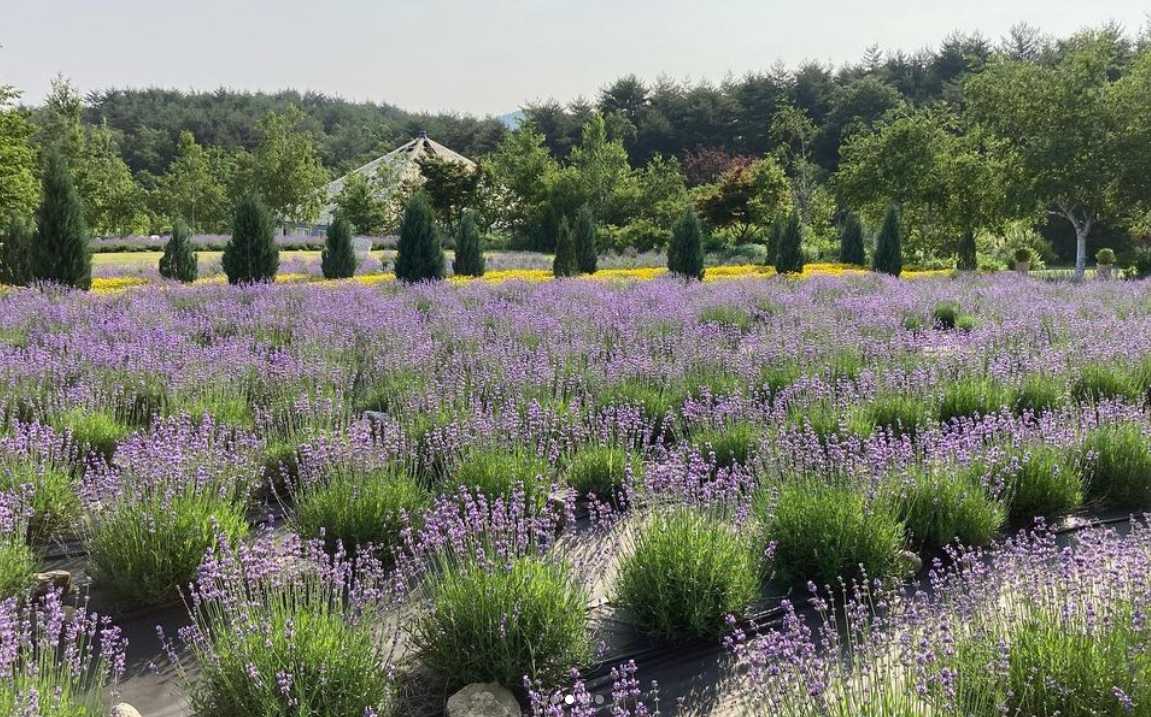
x=835 y=496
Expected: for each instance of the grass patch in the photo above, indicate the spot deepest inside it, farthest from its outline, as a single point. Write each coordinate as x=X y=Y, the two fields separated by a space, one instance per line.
x=357 y=508
x=1038 y=394
x=824 y=532
x=289 y=650
x=602 y=470
x=500 y=624
x=733 y=444
x=1104 y=381
x=1117 y=466
x=498 y=472
x=938 y=507
x=96 y=431
x=971 y=398
x=145 y=548
x=896 y=413
x=686 y=574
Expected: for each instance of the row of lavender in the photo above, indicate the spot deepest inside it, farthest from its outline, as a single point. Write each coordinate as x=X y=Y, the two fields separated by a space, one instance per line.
x=721 y=438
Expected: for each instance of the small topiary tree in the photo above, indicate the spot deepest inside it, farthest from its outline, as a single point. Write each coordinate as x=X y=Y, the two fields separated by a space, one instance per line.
x=179 y=260
x=338 y=260
x=888 y=246
x=60 y=249
x=566 y=262
x=469 y=259
x=851 y=241
x=774 y=239
x=685 y=251
x=420 y=256
x=251 y=255
x=16 y=246
x=585 y=231
x=789 y=255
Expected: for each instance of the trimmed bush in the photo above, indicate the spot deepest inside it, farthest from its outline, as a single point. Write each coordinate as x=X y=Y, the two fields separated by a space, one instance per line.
x=285 y=651
x=1104 y=381
x=566 y=261
x=147 y=547
x=938 y=507
x=789 y=254
x=251 y=254
x=497 y=472
x=357 y=508
x=1117 y=466
x=419 y=256
x=888 y=257
x=501 y=624
x=1105 y=257
x=686 y=574
x=685 y=250
x=602 y=470
x=824 y=532
x=973 y=397
x=1038 y=394
x=469 y=258
x=60 y=249
x=733 y=444
x=585 y=245
x=851 y=241
x=338 y=260
x=179 y=261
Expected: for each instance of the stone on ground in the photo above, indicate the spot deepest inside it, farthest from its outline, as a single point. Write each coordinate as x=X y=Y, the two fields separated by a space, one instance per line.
x=483 y=700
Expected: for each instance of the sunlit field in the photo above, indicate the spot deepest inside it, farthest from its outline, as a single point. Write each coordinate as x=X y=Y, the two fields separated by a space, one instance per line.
x=538 y=483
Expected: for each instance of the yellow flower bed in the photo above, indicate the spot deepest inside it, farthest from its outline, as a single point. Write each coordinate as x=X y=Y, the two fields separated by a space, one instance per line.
x=115 y=284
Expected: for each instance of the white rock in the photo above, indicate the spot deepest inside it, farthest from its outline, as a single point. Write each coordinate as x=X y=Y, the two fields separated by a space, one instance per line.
x=483 y=700
x=124 y=710
x=51 y=581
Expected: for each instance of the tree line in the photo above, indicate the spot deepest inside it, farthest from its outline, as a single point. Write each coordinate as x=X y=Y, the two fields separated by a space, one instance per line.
x=984 y=147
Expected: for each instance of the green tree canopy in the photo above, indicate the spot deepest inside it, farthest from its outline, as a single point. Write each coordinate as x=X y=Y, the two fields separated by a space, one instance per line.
x=361 y=204
x=746 y=196
x=19 y=188
x=286 y=170
x=1056 y=118
x=196 y=186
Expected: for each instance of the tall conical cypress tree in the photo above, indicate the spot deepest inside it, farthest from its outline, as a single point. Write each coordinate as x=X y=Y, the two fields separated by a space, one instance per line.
x=251 y=255
x=888 y=246
x=469 y=259
x=851 y=241
x=789 y=257
x=566 y=262
x=179 y=261
x=968 y=261
x=685 y=250
x=585 y=230
x=420 y=256
x=774 y=240
x=60 y=250
x=338 y=260
x=16 y=247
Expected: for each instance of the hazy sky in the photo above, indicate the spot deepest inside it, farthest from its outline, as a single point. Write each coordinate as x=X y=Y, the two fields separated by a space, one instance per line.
x=482 y=56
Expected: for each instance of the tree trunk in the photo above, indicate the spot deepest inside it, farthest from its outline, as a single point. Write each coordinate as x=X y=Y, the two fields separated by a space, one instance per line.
x=1081 y=232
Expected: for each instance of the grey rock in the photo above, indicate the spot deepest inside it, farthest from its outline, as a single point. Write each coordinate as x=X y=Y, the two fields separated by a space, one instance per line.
x=124 y=710
x=483 y=700
x=912 y=563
